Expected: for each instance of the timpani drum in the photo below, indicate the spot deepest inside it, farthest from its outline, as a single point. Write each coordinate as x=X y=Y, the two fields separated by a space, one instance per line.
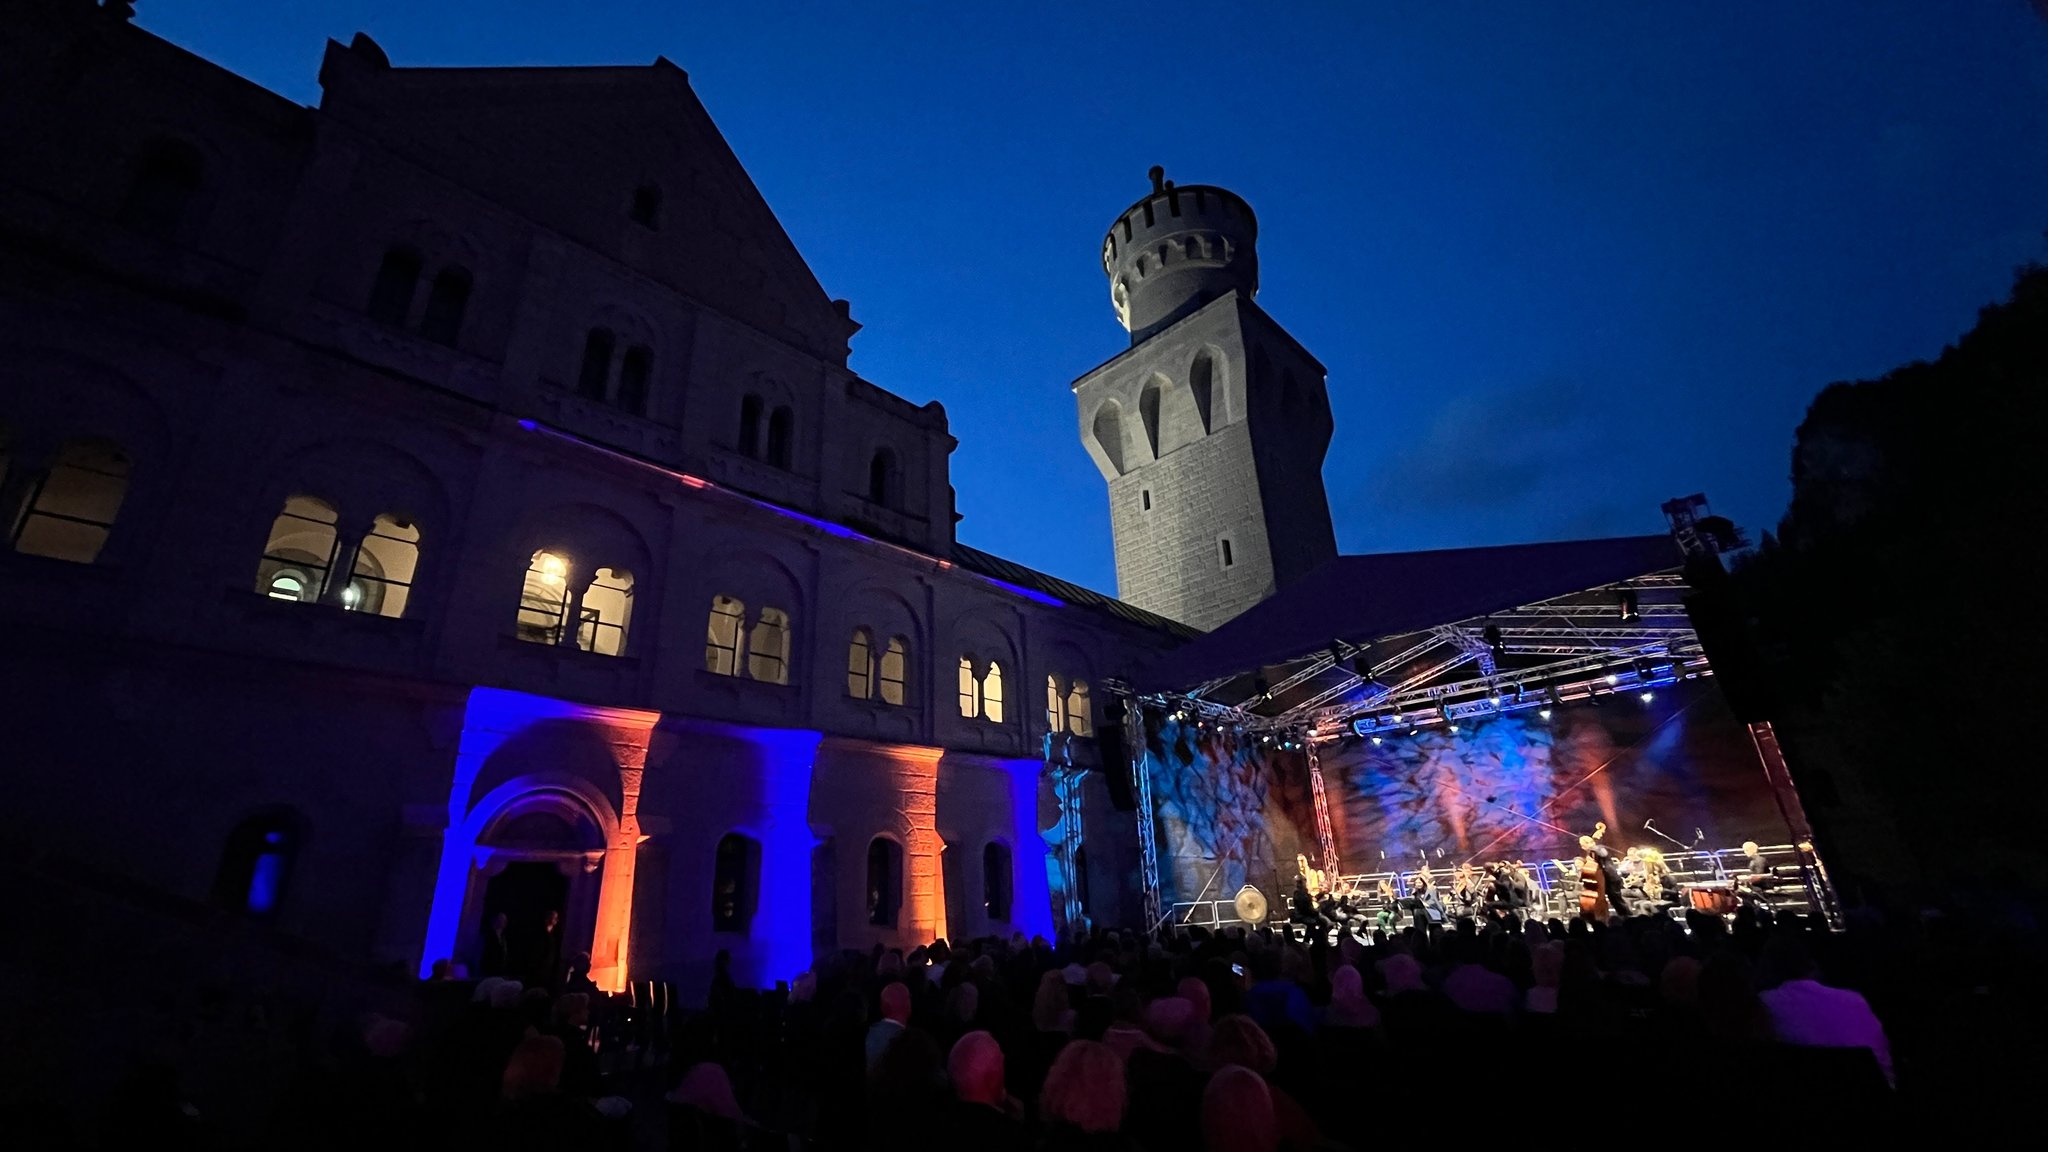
x=1715 y=899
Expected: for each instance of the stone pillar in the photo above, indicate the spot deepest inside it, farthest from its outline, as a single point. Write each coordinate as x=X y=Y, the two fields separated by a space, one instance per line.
x=917 y=791
x=615 y=891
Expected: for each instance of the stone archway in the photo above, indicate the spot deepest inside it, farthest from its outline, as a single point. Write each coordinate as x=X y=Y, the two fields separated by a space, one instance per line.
x=545 y=830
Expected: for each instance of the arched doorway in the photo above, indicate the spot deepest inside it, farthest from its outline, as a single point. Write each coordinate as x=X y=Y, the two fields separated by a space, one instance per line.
x=539 y=864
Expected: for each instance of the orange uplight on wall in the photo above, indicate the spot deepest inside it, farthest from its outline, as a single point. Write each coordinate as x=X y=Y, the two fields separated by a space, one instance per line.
x=917 y=785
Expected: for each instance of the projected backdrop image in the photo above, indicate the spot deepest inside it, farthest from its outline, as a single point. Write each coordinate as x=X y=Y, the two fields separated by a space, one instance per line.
x=1228 y=810
x=1681 y=759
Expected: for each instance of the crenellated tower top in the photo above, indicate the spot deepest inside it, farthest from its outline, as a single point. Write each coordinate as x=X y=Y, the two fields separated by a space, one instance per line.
x=1175 y=250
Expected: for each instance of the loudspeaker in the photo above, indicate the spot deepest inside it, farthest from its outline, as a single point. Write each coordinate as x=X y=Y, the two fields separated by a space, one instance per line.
x=1116 y=755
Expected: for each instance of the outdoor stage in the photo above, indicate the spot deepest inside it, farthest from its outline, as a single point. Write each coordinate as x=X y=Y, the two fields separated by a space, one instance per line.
x=1483 y=705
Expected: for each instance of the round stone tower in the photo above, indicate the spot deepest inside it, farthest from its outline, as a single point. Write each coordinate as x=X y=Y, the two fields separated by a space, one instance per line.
x=1175 y=250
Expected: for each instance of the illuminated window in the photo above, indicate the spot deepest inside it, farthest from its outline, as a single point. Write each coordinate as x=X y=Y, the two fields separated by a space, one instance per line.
x=69 y=512
x=895 y=671
x=447 y=300
x=636 y=372
x=996 y=881
x=768 y=647
x=782 y=437
x=992 y=694
x=646 y=210
x=970 y=689
x=735 y=883
x=300 y=552
x=1055 y=720
x=605 y=612
x=381 y=582
x=885 y=882
x=750 y=426
x=398 y=277
x=165 y=186
x=860 y=659
x=544 y=600
x=593 y=380
x=722 y=643
x=1080 y=720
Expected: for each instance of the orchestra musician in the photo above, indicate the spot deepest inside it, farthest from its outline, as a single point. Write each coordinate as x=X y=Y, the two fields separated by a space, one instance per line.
x=1390 y=903
x=1599 y=875
x=1316 y=880
x=1466 y=890
x=1422 y=900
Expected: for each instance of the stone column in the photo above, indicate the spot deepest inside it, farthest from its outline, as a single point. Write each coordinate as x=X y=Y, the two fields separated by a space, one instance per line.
x=917 y=792
x=615 y=889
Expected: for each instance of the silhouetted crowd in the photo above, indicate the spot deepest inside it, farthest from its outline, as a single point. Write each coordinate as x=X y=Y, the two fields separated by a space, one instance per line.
x=1245 y=1041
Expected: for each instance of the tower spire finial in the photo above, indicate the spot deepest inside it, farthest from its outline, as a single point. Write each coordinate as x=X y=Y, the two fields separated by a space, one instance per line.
x=1158 y=175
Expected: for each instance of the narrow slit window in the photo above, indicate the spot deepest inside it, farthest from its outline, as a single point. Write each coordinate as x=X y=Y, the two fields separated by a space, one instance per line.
x=885 y=882
x=299 y=554
x=1054 y=700
x=782 y=438
x=1223 y=550
x=1144 y=500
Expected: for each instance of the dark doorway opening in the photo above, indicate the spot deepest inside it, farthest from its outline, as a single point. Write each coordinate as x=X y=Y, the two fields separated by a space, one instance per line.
x=526 y=891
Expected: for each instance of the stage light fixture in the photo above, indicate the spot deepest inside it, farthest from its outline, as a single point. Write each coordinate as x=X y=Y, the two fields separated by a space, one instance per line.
x=1375 y=741
x=1454 y=729
x=1612 y=679
x=1491 y=634
x=1648 y=696
x=1545 y=713
x=1520 y=691
x=1496 y=699
x=1629 y=609
x=1363 y=667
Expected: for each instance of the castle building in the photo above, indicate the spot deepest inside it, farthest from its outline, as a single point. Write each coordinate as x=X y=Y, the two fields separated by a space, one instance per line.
x=453 y=499
x=1211 y=429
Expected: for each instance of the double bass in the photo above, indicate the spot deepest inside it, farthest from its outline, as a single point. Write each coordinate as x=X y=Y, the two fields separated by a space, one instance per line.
x=1592 y=884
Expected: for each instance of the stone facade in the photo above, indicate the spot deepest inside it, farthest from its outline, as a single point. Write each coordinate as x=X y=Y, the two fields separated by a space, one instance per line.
x=1211 y=430
x=376 y=475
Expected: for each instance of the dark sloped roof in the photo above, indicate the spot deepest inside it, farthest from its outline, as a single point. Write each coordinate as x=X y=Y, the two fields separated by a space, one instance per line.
x=1010 y=572
x=1362 y=598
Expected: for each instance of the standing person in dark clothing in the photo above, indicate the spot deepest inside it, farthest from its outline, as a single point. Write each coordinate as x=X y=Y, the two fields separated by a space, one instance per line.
x=540 y=960
x=496 y=959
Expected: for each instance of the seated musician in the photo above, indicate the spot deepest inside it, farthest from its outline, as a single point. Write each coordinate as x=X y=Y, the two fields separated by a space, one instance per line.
x=1757 y=871
x=1422 y=900
x=1390 y=903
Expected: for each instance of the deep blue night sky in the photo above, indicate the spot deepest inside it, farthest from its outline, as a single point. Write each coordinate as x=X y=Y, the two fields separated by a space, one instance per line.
x=1563 y=260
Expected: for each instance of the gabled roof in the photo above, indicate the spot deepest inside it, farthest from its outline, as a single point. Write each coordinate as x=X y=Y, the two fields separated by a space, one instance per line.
x=1359 y=599
x=1010 y=572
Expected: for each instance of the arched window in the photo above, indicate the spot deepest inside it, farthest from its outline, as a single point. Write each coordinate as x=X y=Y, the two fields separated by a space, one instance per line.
x=768 y=647
x=385 y=562
x=882 y=478
x=646 y=211
x=300 y=552
x=398 y=277
x=605 y=613
x=992 y=694
x=636 y=371
x=256 y=863
x=595 y=375
x=860 y=665
x=544 y=600
x=895 y=671
x=996 y=882
x=722 y=643
x=1080 y=719
x=447 y=300
x=1202 y=382
x=970 y=689
x=750 y=426
x=735 y=883
x=781 y=437
x=1055 y=720
x=885 y=882
x=69 y=511
x=165 y=186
